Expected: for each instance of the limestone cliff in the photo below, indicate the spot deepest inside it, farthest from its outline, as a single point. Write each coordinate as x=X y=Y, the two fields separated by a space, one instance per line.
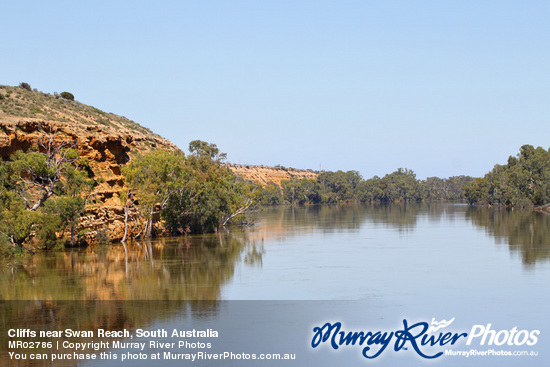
x=108 y=141
x=265 y=175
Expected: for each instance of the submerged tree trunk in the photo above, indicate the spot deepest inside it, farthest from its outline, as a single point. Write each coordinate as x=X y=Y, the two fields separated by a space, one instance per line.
x=72 y=236
x=149 y=231
x=125 y=221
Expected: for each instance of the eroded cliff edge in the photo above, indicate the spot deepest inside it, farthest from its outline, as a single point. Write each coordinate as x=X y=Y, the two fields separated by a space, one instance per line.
x=106 y=140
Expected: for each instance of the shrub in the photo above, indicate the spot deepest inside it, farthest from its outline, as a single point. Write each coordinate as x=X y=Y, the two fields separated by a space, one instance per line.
x=48 y=225
x=6 y=248
x=26 y=86
x=67 y=95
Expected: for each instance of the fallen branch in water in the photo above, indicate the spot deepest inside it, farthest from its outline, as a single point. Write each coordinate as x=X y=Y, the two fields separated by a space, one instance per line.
x=543 y=207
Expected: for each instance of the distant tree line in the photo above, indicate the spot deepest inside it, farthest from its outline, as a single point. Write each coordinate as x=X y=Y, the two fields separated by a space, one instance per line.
x=523 y=181
x=335 y=187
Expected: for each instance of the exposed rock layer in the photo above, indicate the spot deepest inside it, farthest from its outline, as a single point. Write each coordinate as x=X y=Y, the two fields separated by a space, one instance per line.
x=106 y=150
x=271 y=175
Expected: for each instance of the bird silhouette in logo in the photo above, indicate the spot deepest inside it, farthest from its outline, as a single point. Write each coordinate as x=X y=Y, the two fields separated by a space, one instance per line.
x=439 y=325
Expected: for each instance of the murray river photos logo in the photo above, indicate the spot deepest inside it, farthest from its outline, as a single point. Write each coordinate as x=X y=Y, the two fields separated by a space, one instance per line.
x=425 y=339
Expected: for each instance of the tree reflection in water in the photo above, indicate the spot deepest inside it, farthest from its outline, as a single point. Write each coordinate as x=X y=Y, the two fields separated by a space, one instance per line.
x=120 y=286
x=524 y=231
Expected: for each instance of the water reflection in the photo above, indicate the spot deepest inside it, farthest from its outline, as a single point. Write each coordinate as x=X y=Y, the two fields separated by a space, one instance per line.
x=104 y=286
x=292 y=220
x=524 y=231
x=169 y=274
x=186 y=268
x=300 y=220
x=197 y=267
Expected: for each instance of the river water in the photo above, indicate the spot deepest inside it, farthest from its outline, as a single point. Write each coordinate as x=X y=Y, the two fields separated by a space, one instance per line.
x=369 y=267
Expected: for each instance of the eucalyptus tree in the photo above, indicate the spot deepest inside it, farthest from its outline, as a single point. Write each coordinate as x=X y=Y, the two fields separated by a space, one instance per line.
x=152 y=178
x=523 y=181
x=36 y=175
x=195 y=194
x=42 y=191
x=400 y=185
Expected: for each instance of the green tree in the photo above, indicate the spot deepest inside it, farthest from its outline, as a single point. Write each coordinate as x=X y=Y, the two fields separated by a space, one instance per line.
x=37 y=175
x=445 y=189
x=68 y=96
x=339 y=186
x=37 y=188
x=212 y=196
x=191 y=194
x=202 y=149
x=400 y=185
x=152 y=179
x=477 y=191
x=16 y=221
x=271 y=195
x=26 y=86
x=523 y=181
x=301 y=191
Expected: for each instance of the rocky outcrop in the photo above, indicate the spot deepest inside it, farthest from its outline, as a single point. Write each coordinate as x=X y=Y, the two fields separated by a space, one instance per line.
x=107 y=141
x=106 y=151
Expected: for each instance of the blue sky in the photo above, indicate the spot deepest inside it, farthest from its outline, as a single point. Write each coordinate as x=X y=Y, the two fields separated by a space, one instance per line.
x=440 y=87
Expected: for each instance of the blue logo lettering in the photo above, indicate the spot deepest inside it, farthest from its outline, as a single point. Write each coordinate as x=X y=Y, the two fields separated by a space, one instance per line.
x=416 y=335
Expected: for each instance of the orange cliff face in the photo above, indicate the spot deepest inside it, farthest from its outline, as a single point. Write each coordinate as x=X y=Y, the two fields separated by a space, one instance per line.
x=106 y=150
x=108 y=142
x=271 y=175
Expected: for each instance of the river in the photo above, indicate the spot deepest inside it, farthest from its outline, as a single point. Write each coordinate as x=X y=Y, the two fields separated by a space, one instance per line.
x=370 y=267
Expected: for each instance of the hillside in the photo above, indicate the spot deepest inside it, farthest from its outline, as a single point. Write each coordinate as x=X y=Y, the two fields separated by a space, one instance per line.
x=108 y=141
x=18 y=105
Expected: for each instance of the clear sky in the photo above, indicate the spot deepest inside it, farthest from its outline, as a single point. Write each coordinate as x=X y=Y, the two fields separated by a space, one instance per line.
x=440 y=87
